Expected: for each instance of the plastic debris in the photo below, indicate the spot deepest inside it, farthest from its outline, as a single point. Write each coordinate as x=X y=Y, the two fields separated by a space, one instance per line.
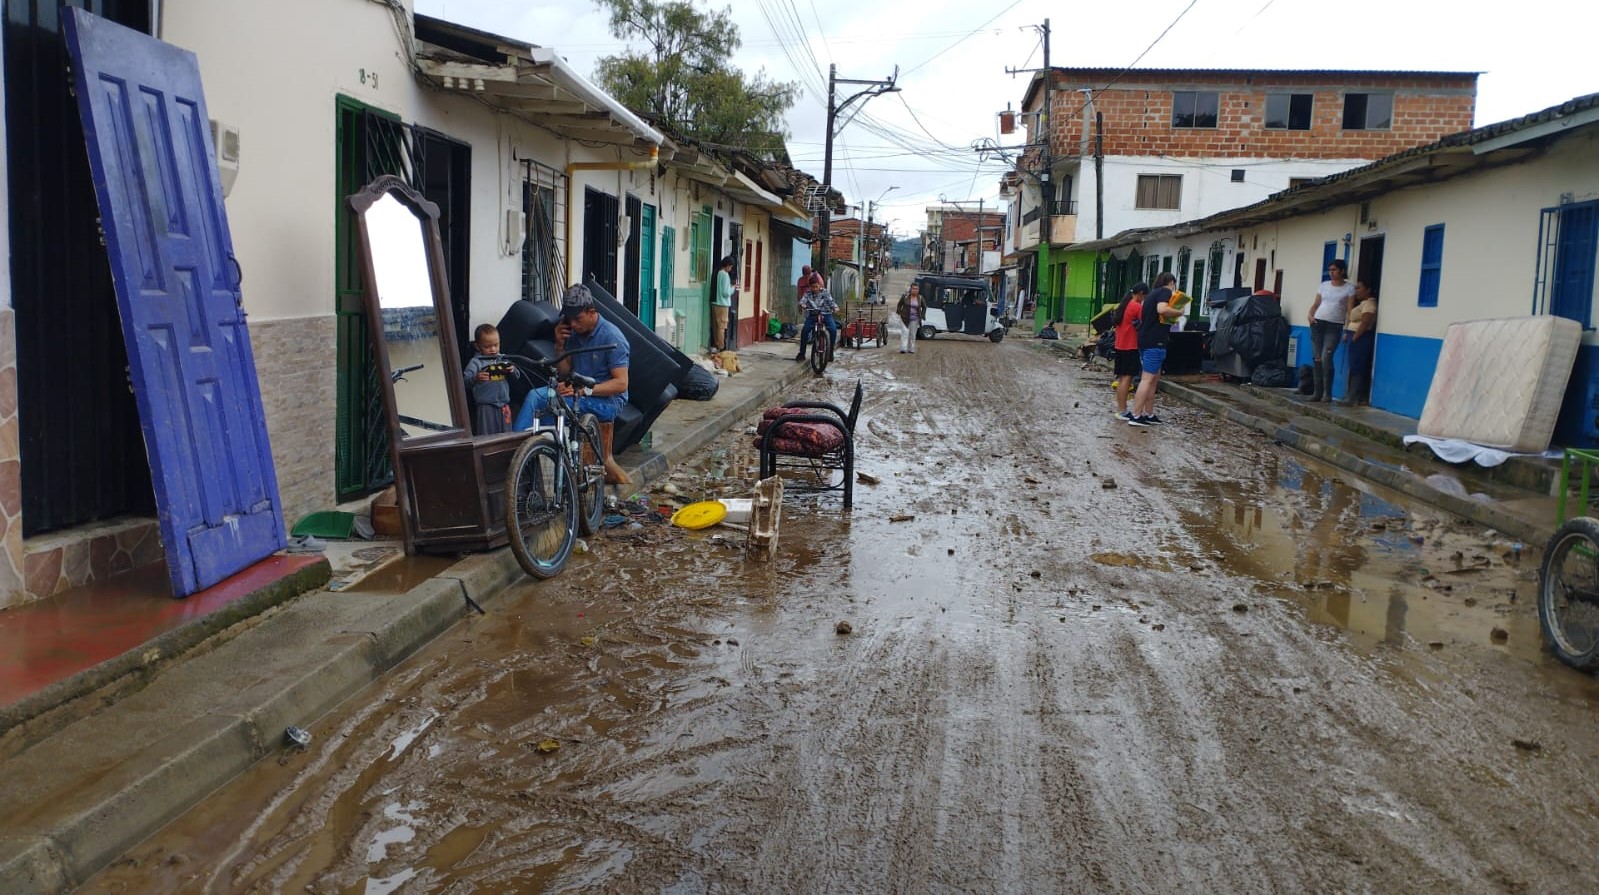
x=298 y=737
x=546 y=746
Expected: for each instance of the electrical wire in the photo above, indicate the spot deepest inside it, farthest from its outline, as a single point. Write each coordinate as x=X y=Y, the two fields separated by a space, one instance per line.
x=957 y=43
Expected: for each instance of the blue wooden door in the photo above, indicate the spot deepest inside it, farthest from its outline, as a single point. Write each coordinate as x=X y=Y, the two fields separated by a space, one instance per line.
x=647 y=294
x=1571 y=294
x=177 y=286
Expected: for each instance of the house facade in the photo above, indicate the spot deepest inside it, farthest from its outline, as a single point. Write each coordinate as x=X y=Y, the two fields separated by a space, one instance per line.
x=541 y=180
x=1500 y=221
x=1154 y=147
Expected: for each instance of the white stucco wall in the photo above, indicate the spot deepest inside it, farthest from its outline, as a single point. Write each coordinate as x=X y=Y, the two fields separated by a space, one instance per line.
x=1207 y=187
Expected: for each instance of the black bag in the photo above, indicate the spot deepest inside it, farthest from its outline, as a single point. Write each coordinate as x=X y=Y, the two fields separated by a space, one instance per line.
x=699 y=385
x=1271 y=374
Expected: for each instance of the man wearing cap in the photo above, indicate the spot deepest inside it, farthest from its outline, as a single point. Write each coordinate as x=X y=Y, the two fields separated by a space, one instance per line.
x=581 y=326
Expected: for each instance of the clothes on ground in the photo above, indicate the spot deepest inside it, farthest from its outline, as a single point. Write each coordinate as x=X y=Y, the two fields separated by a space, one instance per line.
x=1334 y=307
x=491 y=399
x=1048 y=332
x=1152 y=332
x=1456 y=450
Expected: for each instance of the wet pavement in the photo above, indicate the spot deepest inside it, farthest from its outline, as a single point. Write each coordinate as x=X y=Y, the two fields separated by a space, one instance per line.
x=1094 y=659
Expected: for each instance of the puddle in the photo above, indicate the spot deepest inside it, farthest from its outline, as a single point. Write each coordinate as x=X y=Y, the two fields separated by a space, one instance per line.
x=1364 y=562
x=402 y=574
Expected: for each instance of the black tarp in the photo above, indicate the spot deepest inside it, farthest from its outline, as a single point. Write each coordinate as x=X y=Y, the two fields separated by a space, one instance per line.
x=1246 y=330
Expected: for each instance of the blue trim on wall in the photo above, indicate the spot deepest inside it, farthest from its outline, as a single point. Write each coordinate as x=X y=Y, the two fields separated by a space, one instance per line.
x=1573 y=407
x=1340 y=360
x=1403 y=374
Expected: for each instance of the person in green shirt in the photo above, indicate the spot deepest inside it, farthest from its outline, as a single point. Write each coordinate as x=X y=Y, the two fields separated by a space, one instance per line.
x=721 y=303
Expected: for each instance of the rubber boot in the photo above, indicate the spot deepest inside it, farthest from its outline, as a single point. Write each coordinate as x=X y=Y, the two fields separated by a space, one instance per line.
x=614 y=474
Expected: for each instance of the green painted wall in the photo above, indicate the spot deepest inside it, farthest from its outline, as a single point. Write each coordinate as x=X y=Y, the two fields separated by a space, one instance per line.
x=690 y=301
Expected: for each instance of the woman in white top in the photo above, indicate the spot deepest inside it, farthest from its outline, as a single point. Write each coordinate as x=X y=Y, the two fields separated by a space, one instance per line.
x=1327 y=316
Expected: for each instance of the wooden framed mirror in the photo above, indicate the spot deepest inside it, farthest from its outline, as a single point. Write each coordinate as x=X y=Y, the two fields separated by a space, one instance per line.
x=450 y=485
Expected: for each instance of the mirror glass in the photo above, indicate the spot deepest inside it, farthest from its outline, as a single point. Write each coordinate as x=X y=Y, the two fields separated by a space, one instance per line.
x=411 y=334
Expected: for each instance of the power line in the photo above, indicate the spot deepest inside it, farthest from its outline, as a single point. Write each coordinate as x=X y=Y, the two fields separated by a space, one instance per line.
x=969 y=35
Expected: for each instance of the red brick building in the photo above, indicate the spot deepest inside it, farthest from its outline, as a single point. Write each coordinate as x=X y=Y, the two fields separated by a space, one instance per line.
x=1156 y=147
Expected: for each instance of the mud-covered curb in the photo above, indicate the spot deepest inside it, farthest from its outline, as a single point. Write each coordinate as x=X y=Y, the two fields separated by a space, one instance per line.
x=41 y=714
x=56 y=852
x=1400 y=480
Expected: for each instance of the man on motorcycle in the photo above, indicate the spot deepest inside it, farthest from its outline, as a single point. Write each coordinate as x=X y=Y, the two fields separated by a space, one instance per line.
x=818 y=302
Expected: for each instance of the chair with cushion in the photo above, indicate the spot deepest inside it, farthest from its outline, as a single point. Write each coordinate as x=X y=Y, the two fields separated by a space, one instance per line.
x=813 y=436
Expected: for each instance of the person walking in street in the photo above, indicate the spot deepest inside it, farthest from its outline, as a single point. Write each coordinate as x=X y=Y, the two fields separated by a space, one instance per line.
x=1127 y=366
x=1154 y=330
x=721 y=303
x=1327 y=316
x=1361 y=331
x=910 y=317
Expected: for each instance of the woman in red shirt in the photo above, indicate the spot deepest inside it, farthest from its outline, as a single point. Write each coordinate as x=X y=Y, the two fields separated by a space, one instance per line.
x=1127 y=364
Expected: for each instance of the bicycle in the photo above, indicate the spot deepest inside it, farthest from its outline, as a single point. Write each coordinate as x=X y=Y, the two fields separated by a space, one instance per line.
x=819 y=356
x=556 y=485
x=1568 y=578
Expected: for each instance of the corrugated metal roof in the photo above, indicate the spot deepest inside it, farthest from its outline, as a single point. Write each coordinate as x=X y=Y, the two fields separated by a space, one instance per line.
x=1342 y=72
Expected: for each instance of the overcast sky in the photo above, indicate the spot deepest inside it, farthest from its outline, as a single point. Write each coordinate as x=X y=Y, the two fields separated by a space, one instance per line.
x=953 y=59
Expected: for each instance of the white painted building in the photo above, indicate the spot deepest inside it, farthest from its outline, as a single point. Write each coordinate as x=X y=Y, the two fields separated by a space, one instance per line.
x=1500 y=221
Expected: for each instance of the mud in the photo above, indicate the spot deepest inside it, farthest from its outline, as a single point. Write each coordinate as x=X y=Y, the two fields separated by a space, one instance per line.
x=1236 y=671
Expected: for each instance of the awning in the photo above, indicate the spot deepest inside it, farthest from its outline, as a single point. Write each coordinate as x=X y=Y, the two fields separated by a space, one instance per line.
x=781 y=227
x=531 y=83
x=749 y=192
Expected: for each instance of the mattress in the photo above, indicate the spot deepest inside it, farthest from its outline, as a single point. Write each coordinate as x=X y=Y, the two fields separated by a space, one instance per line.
x=1499 y=383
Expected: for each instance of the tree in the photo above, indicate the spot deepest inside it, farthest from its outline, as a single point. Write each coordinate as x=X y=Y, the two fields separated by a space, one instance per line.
x=685 y=79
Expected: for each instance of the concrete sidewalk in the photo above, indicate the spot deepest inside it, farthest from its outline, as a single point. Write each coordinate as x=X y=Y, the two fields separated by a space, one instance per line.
x=1516 y=498
x=76 y=800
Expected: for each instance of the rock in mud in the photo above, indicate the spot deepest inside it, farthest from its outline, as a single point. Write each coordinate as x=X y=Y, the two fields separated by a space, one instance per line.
x=1499 y=635
x=866 y=478
x=1240 y=608
x=843 y=628
x=901 y=517
x=1108 y=483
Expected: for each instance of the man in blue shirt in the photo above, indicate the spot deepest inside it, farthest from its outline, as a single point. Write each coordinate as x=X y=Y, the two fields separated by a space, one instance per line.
x=581 y=326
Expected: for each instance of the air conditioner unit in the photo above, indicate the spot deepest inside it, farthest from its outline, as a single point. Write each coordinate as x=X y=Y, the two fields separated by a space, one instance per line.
x=225 y=141
x=513 y=230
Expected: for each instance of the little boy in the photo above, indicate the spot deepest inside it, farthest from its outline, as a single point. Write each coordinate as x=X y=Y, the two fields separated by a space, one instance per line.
x=488 y=375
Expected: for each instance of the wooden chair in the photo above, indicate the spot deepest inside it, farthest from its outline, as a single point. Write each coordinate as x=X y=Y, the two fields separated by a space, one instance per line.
x=814 y=436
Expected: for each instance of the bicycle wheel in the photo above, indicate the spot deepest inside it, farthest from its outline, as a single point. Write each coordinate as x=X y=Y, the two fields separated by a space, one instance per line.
x=819 y=351
x=1568 y=593
x=590 y=464
x=541 y=507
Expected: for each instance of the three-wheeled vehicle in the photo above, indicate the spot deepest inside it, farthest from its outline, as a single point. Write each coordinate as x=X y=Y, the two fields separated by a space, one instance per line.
x=962 y=305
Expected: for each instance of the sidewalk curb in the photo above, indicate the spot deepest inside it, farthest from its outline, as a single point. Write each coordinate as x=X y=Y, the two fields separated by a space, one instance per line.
x=1404 y=482
x=51 y=709
x=161 y=782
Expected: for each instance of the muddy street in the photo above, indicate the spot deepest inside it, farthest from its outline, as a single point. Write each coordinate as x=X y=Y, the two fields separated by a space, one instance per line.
x=1094 y=659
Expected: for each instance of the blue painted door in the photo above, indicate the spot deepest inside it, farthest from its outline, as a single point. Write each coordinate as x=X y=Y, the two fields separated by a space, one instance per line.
x=647 y=294
x=177 y=286
x=1571 y=294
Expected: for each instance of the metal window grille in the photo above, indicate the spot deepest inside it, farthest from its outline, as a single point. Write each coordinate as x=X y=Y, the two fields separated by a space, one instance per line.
x=1568 y=253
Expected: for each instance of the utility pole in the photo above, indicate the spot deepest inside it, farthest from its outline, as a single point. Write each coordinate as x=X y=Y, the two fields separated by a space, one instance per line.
x=1046 y=182
x=1099 y=174
x=873 y=88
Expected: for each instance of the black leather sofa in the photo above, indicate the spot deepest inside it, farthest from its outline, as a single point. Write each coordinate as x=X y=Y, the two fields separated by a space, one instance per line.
x=655 y=370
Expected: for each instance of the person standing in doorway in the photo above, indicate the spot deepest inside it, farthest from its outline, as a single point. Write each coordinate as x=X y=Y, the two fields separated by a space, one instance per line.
x=721 y=303
x=1154 y=331
x=1327 y=316
x=1361 y=331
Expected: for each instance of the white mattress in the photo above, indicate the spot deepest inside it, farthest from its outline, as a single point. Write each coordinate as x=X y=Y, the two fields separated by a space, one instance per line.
x=1499 y=383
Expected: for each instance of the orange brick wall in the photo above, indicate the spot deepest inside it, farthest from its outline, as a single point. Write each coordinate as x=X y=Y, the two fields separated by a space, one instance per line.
x=1138 y=115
